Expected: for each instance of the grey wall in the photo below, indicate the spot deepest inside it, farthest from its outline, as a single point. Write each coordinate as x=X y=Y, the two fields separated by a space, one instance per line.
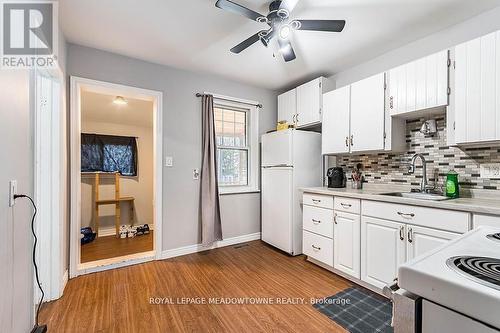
x=467 y=30
x=182 y=136
x=16 y=151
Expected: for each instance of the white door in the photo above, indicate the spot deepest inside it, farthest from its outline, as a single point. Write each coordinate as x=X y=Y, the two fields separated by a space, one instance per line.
x=335 y=126
x=277 y=148
x=367 y=114
x=346 y=243
x=309 y=102
x=477 y=90
x=287 y=106
x=383 y=249
x=277 y=199
x=421 y=240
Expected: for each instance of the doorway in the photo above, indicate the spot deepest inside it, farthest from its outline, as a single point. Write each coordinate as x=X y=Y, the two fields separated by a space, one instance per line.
x=116 y=158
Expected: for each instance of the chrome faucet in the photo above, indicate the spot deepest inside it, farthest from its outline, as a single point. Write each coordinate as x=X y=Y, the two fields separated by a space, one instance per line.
x=424 y=183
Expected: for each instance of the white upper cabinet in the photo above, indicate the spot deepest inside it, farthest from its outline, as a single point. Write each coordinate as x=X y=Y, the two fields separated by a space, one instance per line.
x=419 y=85
x=309 y=102
x=477 y=90
x=367 y=114
x=336 y=115
x=303 y=105
x=287 y=106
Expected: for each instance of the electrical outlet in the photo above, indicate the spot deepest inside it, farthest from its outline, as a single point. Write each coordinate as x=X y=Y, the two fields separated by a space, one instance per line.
x=196 y=174
x=490 y=171
x=169 y=161
x=12 y=192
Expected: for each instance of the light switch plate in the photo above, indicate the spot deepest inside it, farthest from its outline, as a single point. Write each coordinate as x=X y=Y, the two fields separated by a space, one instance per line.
x=169 y=161
x=12 y=192
x=490 y=171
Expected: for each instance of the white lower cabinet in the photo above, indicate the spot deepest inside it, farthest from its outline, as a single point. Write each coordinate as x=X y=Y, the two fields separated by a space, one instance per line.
x=383 y=249
x=318 y=247
x=421 y=240
x=346 y=243
x=485 y=220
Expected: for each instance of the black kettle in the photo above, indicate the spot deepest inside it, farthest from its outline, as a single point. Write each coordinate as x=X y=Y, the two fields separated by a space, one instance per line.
x=336 y=177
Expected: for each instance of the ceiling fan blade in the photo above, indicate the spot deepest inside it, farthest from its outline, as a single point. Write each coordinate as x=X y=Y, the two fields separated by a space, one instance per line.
x=286 y=50
x=246 y=43
x=289 y=5
x=321 y=25
x=238 y=9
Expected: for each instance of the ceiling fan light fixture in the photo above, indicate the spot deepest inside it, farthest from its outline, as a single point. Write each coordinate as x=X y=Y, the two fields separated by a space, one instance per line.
x=285 y=31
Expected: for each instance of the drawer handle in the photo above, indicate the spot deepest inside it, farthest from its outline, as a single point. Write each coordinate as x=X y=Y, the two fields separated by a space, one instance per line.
x=402 y=233
x=316 y=221
x=345 y=205
x=316 y=200
x=317 y=248
x=406 y=215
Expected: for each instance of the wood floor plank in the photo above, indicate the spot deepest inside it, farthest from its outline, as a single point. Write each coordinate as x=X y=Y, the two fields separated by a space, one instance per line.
x=118 y=300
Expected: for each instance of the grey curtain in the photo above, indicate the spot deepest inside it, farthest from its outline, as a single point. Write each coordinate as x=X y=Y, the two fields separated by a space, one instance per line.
x=211 y=227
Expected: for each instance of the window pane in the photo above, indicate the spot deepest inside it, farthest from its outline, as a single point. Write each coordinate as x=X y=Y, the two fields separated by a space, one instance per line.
x=230 y=127
x=232 y=165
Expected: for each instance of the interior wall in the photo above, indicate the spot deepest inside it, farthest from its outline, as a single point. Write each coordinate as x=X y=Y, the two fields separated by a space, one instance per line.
x=475 y=27
x=139 y=187
x=16 y=154
x=182 y=136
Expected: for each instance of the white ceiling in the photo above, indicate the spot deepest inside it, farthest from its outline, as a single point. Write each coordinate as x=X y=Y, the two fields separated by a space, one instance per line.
x=100 y=108
x=195 y=35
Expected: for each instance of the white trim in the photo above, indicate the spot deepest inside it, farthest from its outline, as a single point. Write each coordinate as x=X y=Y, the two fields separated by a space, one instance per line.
x=111 y=231
x=64 y=280
x=112 y=263
x=233 y=99
x=199 y=248
x=76 y=86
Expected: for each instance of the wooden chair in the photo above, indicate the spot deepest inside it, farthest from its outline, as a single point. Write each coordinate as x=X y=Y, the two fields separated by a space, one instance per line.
x=116 y=201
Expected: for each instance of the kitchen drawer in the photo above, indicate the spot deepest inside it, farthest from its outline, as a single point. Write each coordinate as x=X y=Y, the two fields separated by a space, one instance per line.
x=487 y=220
x=318 y=247
x=318 y=220
x=447 y=220
x=347 y=205
x=318 y=200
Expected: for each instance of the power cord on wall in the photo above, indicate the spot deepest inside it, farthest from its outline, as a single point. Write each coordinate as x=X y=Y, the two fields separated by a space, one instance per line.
x=38 y=328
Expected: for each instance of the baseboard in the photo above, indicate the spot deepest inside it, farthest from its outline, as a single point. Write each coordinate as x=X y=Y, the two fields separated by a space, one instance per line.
x=181 y=251
x=64 y=281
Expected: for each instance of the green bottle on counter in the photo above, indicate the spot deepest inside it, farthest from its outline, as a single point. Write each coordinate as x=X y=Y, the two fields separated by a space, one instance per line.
x=452 y=190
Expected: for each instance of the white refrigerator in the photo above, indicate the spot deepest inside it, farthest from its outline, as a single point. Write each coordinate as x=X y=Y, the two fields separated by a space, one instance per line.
x=291 y=159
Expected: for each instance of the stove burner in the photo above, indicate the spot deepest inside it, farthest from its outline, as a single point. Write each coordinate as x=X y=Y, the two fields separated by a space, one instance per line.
x=483 y=270
x=495 y=237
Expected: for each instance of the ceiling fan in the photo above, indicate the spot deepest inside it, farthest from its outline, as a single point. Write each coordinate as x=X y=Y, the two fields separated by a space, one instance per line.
x=279 y=23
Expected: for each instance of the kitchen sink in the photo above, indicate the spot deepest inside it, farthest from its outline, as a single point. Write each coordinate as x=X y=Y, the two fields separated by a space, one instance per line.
x=417 y=195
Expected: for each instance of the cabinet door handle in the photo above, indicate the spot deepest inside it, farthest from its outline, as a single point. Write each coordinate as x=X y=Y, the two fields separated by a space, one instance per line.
x=316 y=201
x=391 y=102
x=293 y=119
x=345 y=205
x=317 y=248
x=406 y=215
x=347 y=141
x=335 y=218
x=352 y=139
x=316 y=221
x=297 y=118
x=410 y=235
x=402 y=233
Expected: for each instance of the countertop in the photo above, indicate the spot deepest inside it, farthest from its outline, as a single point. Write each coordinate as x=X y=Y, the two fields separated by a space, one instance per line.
x=481 y=205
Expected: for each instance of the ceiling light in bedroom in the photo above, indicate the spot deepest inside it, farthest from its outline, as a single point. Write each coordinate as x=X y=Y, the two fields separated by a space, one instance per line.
x=119 y=100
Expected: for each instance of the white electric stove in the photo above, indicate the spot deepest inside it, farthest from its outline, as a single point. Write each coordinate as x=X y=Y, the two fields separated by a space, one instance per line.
x=458 y=284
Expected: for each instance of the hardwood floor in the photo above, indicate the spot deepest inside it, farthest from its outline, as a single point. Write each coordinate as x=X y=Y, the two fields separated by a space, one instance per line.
x=112 y=247
x=119 y=300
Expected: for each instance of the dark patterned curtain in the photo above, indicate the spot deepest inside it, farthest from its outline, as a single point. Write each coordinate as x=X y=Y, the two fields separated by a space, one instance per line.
x=109 y=153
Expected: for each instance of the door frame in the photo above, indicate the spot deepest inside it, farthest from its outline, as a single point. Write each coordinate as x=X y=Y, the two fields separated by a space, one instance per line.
x=48 y=147
x=77 y=84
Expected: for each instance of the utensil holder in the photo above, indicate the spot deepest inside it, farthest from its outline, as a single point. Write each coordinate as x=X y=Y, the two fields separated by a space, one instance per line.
x=357 y=184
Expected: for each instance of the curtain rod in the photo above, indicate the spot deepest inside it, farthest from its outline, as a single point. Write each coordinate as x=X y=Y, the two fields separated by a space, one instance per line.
x=229 y=99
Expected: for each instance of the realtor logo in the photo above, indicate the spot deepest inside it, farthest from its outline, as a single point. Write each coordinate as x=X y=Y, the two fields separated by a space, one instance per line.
x=29 y=34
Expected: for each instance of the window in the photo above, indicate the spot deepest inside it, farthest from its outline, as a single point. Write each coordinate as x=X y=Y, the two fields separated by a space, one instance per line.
x=108 y=153
x=237 y=139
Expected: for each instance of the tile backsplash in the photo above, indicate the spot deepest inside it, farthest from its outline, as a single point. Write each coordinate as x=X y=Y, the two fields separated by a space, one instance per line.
x=392 y=168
